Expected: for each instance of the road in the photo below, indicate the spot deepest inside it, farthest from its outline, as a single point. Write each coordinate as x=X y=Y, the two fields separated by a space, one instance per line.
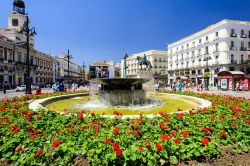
x=246 y=94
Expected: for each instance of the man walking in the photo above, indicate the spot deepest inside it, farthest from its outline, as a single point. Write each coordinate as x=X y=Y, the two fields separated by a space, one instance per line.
x=5 y=87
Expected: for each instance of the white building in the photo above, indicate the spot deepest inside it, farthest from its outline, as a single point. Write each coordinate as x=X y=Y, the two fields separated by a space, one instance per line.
x=225 y=44
x=158 y=61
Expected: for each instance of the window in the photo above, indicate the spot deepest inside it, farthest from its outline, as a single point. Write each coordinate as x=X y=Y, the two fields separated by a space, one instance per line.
x=232 y=57
x=242 y=32
x=216 y=34
x=232 y=31
x=232 y=43
x=217 y=47
x=206 y=38
x=1 y=53
x=199 y=40
x=242 y=58
x=248 y=44
x=15 y=22
x=206 y=50
x=242 y=44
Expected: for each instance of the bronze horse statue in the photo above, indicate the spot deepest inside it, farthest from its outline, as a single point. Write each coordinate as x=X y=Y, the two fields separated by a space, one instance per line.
x=144 y=61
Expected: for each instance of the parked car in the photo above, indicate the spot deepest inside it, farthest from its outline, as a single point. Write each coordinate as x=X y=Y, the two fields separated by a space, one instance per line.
x=22 y=88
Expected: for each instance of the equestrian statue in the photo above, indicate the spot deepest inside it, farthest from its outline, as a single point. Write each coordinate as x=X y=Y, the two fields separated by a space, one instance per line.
x=143 y=61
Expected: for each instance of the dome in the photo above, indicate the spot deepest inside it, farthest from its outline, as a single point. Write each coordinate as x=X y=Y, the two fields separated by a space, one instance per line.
x=19 y=3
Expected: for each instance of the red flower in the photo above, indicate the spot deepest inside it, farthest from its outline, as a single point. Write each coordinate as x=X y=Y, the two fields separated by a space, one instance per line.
x=159 y=147
x=29 y=128
x=58 y=131
x=9 y=122
x=140 y=148
x=234 y=125
x=212 y=120
x=14 y=126
x=43 y=134
x=163 y=126
x=27 y=119
x=137 y=127
x=107 y=140
x=185 y=133
x=32 y=137
x=148 y=144
x=132 y=121
x=80 y=115
x=39 y=152
x=118 y=152
x=205 y=141
x=213 y=104
x=168 y=121
x=38 y=117
x=177 y=140
x=115 y=145
x=223 y=133
x=176 y=128
x=24 y=112
x=116 y=130
x=165 y=137
x=56 y=143
x=172 y=133
x=36 y=131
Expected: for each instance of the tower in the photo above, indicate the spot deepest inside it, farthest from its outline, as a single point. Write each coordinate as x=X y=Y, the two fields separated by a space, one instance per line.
x=17 y=17
x=19 y=6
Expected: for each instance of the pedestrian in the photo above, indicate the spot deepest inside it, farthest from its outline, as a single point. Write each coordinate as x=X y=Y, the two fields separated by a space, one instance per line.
x=241 y=85
x=55 y=87
x=237 y=86
x=173 y=86
x=61 y=86
x=38 y=90
x=5 y=87
x=180 y=86
x=73 y=87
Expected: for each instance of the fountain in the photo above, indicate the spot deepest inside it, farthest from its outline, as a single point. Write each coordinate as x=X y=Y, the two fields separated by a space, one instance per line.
x=123 y=92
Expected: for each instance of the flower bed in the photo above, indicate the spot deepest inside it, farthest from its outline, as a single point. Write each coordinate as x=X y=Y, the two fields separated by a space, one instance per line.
x=44 y=137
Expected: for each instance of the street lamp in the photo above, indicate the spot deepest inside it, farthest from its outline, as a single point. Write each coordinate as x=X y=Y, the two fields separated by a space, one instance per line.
x=125 y=65
x=28 y=32
x=69 y=57
x=207 y=70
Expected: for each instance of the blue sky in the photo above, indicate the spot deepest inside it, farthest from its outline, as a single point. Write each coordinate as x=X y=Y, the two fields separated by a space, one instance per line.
x=97 y=30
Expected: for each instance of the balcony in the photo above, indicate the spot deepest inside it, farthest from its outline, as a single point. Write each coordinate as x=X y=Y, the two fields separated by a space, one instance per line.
x=233 y=35
x=243 y=36
x=1 y=59
x=243 y=49
x=233 y=61
x=233 y=48
x=10 y=61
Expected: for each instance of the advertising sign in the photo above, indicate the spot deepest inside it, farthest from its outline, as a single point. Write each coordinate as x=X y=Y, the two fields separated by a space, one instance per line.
x=230 y=84
x=246 y=84
x=223 y=83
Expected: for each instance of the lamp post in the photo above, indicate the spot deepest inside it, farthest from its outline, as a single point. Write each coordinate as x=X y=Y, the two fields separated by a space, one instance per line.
x=125 y=65
x=28 y=32
x=207 y=70
x=68 y=58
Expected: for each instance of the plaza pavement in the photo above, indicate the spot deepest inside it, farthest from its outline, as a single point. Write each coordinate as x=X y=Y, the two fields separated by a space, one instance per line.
x=246 y=94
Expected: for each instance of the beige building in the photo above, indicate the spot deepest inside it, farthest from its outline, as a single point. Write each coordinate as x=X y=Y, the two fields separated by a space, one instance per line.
x=158 y=61
x=73 y=73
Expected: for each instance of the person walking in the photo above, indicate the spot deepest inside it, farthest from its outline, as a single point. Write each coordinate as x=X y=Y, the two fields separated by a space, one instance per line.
x=5 y=87
x=173 y=86
x=55 y=87
x=180 y=86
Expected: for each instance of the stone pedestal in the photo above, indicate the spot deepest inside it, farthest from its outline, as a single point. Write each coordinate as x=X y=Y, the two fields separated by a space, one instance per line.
x=147 y=74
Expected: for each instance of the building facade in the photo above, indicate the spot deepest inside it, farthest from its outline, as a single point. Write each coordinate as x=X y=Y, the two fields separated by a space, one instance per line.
x=158 y=61
x=13 y=53
x=73 y=73
x=222 y=46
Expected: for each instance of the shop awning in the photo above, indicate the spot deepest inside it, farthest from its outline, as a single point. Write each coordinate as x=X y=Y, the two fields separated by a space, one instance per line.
x=230 y=74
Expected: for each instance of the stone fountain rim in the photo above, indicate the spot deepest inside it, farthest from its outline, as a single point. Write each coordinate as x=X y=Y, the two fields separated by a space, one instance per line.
x=42 y=103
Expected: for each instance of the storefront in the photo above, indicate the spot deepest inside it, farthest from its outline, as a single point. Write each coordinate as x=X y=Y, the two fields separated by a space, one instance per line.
x=228 y=80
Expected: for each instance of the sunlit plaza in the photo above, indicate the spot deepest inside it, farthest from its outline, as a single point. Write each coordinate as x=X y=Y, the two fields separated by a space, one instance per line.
x=124 y=83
